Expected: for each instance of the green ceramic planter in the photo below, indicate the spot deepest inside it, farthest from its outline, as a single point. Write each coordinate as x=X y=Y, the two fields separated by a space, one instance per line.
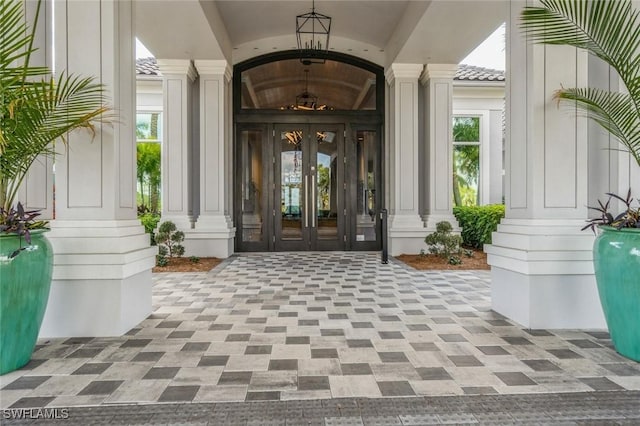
x=25 y=281
x=616 y=256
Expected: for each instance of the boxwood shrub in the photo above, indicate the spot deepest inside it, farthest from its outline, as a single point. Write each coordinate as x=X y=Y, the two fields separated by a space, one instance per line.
x=478 y=222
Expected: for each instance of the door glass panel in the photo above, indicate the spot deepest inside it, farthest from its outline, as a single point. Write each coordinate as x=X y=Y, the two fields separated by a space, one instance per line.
x=291 y=184
x=326 y=191
x=252 y=214
x=366 y=185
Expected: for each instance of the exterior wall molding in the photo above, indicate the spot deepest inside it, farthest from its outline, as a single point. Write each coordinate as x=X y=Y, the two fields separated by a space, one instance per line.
x=177 y=67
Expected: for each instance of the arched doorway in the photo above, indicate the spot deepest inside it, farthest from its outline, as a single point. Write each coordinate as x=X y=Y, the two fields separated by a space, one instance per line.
x=308 y=153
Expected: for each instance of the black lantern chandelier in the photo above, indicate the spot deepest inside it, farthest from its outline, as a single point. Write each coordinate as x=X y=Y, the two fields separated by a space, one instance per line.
x=312 y=31
x=306 y=100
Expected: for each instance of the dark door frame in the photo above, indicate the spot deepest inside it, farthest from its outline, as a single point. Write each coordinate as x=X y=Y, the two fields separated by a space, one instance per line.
x=266 y=120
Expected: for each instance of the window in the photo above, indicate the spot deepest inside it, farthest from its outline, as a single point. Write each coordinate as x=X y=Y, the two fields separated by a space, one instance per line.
x=148 y=135
x=148 y=127
x=466 y=161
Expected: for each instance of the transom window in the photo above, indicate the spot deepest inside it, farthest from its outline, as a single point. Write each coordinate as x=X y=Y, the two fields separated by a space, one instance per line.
x=290 y=85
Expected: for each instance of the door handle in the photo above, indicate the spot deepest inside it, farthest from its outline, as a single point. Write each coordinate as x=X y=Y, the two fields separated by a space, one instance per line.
x=313 y=201
x=306 y=201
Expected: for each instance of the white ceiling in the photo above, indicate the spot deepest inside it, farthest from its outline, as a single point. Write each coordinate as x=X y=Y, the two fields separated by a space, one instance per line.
x=372 y=22
x=382 y=31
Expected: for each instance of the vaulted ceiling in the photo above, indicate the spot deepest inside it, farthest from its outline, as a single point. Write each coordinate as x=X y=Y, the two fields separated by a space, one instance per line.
x=382 y=31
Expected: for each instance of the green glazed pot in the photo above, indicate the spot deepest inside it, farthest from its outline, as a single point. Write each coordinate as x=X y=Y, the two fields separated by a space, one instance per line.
x=25 y=280
x=616 y=257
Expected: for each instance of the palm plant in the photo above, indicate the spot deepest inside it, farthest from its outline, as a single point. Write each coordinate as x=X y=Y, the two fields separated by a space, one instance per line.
x=610 y=31
x=35 y=108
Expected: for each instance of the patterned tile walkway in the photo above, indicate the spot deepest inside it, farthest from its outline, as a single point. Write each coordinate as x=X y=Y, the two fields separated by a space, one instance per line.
x=315 y=326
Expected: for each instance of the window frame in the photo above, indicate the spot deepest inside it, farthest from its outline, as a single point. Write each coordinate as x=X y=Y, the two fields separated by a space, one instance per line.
x=160 y=124
x=483 y=117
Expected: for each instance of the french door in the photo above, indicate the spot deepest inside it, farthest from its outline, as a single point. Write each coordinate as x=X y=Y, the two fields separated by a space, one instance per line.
x=309 y=188
x=302 y=187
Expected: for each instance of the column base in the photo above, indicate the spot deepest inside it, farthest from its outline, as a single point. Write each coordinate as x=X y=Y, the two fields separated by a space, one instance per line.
x=101 y=282
x=183 y=223
x=406 y=234
x=212 y=237
x=542 y=274
x=547 y=301
x=97 y=308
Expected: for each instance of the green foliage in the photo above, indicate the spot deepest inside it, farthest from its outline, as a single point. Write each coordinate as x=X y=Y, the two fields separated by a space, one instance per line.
x=161 y=260
x=455 y=260
x=324 y=181
x=169 y=240
x=466 y=129
x=194 y=259
x=444 y=244
x=478 y=222
x=148 y=156
x=35 y=108
x=150 y=221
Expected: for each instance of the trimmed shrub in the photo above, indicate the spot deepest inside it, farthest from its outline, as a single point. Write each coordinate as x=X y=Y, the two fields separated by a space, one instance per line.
x=445 y=244
x=169 y=242
x=478 y=222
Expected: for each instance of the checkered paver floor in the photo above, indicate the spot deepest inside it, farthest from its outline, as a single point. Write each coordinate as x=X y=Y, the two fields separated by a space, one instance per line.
x=310 y=326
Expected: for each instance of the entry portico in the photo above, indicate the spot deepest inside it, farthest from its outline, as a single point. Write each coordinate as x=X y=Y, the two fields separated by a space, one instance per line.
x=538 y=257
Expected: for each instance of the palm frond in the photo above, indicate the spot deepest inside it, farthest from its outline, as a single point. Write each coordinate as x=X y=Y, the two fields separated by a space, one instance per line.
x=614 y=111
x=608 y=29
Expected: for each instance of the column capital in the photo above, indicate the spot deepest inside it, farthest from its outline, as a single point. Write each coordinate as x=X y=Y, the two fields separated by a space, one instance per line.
x=443 y=71
x=177 y=66
x=216 y=67
x=403 y=71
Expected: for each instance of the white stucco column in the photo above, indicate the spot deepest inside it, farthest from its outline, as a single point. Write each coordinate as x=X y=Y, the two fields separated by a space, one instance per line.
x=213 y=233
x=178 y=76
x=36 y=191
x=102 y=266
x=541 y=269
x=438 y=153
x=406 y=229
